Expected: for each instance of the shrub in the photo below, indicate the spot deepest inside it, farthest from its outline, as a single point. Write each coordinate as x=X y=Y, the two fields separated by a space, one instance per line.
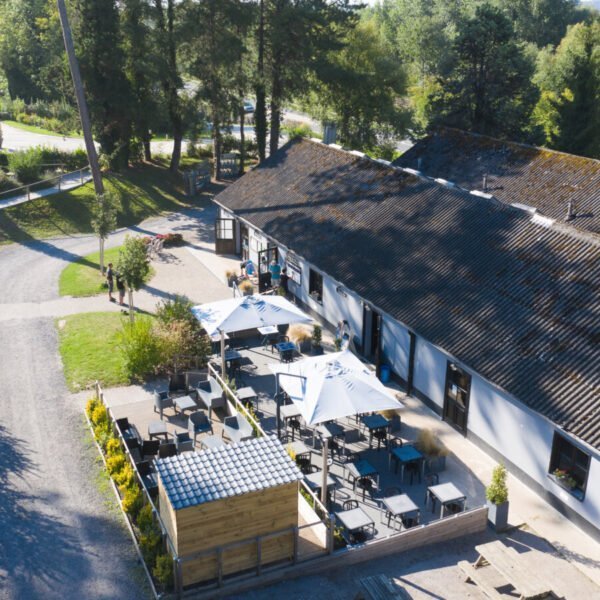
x=99 y=415
x=113 y=447
x=115 y=464
x=90 y=406
x=317 y=335
x=299 y=130
x=140 y=348
x=171 y=240
x=497 y=491
x=150 y=546
x=299 y=334
x=246 y=287
x=163 y=570
x=132 y=501
x=145 y=520
x=103 y=435
x=125 y=478
x=7 y=182
x=26 y=165
x=429 y=444
x=178 y=309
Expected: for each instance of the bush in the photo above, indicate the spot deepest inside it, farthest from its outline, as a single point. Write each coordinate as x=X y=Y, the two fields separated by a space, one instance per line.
x=171 y=240
x=429 y=444
x=113 y=447
x=299 y=334
x=145 y=520
x=163 y=570
x=497 y=491
x=133 y=501
x=140 y=348
x=26 y=165
x=115 y=464
x=317 y=335
x=150 y=546
x=299 y=130
x=7 y=182
x=90 y=406
x=178 y=309
x=99 y=415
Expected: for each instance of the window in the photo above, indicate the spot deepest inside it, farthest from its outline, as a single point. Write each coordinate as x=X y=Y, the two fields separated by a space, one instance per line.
x=225 y=229
x=315 y=286
x=569 y=465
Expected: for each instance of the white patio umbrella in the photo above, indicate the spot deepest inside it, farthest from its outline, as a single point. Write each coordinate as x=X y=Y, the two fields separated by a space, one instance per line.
x=330 y=387
x=246 y=312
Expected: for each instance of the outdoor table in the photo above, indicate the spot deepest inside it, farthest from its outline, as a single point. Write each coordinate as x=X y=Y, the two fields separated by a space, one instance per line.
x=361 y=468
x=215 y=338
x=328 y=431
x=247 y=395
x=315 y=481
x=234 y=358
x=404 y=455
x=289 y=411
x=268 y=331
x=157 y=429
x=374 y=423
x=184 y=403
x=286 y=351
x=446 y=493
x=355 y=519
x=212 y=441
x=399 y=506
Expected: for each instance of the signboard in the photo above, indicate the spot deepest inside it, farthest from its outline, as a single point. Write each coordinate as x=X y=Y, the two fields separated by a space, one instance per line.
x=294 y=270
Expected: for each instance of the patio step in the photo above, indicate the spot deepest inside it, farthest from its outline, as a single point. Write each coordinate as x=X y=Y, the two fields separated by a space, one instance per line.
x=380 y=587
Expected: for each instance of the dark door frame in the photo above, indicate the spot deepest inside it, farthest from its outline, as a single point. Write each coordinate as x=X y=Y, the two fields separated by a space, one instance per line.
x=224 y=245
x=454 y=412
x=371 y=335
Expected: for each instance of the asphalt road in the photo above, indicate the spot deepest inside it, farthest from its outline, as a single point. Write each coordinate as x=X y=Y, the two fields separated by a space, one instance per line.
x=60 y=537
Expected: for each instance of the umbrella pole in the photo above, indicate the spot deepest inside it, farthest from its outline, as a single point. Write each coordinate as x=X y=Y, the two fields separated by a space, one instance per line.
x=325 y=469
x=223 y=355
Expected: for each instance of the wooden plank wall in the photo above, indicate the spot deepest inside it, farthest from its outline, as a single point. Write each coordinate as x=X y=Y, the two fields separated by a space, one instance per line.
x=167 y=514
x=235 y=519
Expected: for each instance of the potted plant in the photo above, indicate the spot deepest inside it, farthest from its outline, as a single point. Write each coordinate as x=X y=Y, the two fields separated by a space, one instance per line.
x=393 y=416
x=563 y=479
x=435 y=452
x=317 y=339
x=301 y=336
x=231 y=277
x=337 y=344
x=497 y=497
x=246 y=288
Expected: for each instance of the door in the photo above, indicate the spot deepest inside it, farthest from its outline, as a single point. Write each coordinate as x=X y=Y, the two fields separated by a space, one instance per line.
x=456 y=397
x=245 y=242
x=264 y=260
x=371 y=341
x=225 y=236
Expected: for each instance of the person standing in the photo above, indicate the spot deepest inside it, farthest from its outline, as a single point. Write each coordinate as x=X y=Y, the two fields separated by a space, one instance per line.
x=284 y=280
x=120 y=288
x=275 y=270
x=110 y=274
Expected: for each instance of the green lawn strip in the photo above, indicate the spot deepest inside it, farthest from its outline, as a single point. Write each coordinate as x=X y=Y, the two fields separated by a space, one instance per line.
x=35 y=129
x=82 y=278
x=89 y=349
x=144 y=191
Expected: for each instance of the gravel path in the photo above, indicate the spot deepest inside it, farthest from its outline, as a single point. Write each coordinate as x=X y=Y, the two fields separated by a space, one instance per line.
x=60 y=535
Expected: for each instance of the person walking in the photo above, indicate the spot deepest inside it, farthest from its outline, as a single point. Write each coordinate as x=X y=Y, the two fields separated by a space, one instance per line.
x=110 y=274
x=120 y=288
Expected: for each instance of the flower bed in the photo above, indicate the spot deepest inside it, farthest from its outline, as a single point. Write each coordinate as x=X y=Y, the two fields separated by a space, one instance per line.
x=170 y=240
x=140 y=515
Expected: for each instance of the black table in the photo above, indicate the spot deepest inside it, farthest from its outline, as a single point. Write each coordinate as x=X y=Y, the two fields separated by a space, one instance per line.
x=247 y=395
x=362 y=468
x=400 y=506
x=286 y=351
x=404 y=455
x=184 y=403
x=446 y=493
x=355 y=519
x=158 y=429
x=375 y=423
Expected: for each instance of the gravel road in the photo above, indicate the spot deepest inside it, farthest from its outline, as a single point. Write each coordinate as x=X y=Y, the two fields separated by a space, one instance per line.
x=59 y=536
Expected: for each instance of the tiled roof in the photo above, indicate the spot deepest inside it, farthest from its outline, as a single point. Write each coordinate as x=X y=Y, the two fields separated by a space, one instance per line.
x=512 y=296
x=516 y=173
x=193 y=478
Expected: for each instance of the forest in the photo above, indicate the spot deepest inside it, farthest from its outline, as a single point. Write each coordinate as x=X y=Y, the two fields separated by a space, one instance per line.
x=524 y=70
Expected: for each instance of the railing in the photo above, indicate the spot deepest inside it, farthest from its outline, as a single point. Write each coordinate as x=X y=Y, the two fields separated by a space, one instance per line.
x=43 y=184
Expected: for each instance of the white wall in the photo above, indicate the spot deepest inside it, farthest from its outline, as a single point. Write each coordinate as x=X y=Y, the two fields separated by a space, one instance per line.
x=395 y=346
x=429 y=375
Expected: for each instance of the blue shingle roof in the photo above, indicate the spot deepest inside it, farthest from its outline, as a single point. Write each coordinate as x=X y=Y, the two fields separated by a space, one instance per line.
x=194 y=478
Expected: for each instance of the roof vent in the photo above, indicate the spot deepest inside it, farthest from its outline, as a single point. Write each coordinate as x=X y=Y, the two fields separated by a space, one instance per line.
x=525 y=207
x=541 y=220
x=570 y=211
x=485 y=182
x=481 y=194
x=445 y=182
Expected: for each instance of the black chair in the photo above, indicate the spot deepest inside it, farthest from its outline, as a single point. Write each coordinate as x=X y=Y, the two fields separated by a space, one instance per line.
x=277 y=339
x=177 y=383
x=414 y=468
x=453 y=507
x=391 y=445
x=391 y=491
x=295 y=425
x=150 y=447
x=350 y=504
x=381 y=435
x=162 y=401
x=365 y=484
x=184 y=442
x=148 y=477
x=304 y=464
x=122 y=424
x=432 y=479
x=408 y=522
x=167 y=449
x=312 y=469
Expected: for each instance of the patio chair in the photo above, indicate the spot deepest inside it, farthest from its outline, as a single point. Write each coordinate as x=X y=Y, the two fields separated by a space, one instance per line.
x=177 y=384
x=162 y=401
x=237 y=429
x=184 y=442
x=304 y=464
x=391 y=491
x=414 y=468
x=122 y=424
x=350 y=504
x=366 y=484
x=198 y=422
x=381 y=435
x=392 y=444
x=148 y=477
x=167 y=449
x=150 y=447
x=210 y=393
x=408 y=522
x=194 y=378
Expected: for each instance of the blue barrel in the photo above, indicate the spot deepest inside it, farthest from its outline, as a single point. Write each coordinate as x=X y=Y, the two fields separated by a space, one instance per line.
x=384 y=373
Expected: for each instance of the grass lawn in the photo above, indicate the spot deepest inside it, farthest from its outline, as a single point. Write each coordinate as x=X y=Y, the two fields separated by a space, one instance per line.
x=41 y=130
x=82 y=278
x=89 y=351
x=146 y=190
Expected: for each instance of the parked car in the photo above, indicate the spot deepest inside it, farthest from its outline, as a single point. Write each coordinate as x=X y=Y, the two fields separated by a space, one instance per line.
x=248 y=106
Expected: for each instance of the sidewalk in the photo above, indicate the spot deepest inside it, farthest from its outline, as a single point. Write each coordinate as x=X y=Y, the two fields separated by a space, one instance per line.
x=68 y=182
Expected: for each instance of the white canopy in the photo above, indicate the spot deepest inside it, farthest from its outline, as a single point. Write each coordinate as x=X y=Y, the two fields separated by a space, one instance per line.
x=333 y=386
x=247 y=312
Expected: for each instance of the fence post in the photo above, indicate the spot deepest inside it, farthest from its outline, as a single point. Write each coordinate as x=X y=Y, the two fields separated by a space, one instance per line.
x=330 y=533
x=178 y=577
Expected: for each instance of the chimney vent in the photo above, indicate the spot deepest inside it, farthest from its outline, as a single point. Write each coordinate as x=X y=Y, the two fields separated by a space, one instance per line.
x=570 y=211
x=485 y=181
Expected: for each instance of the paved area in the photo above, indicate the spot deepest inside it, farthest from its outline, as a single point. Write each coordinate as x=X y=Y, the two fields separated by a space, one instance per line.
x=68 y=182
x=60 y=537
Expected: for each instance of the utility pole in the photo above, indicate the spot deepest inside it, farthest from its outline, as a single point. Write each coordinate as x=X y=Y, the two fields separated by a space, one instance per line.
x=79 y=94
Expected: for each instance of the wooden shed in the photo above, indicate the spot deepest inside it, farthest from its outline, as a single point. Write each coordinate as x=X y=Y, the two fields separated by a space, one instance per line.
x=238 y=502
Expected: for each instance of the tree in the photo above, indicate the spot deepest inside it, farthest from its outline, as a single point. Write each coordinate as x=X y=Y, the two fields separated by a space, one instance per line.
x=361 y=84
x=102 y=67
x=568 y=111
x=260 y=108
x=133 y=267
x=1 y=137
x=166 y=40
x=104 y=220
x=488 y=88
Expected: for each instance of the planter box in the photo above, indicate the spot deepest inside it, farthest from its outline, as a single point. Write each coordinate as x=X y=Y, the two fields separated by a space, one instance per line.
x=498 y=515
x=231 y=280
x=305 y=346
x=317 y=350
x=435 y=464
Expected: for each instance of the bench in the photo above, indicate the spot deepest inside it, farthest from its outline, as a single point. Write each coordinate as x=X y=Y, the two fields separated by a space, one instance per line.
x=479 y=577
x=380 y=587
